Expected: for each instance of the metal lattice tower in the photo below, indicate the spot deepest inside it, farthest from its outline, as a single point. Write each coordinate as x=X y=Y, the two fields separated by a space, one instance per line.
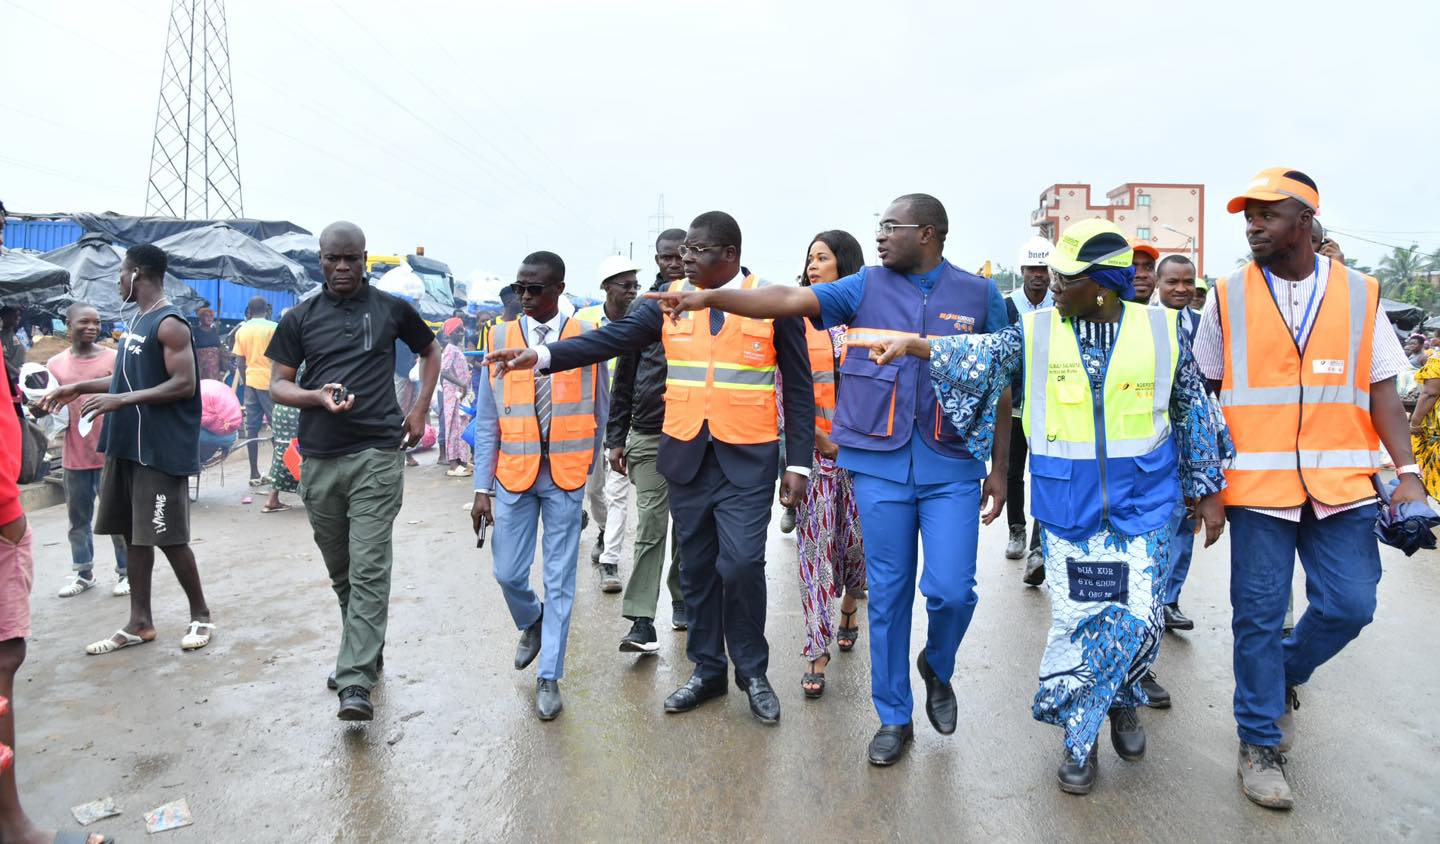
x=195 y=157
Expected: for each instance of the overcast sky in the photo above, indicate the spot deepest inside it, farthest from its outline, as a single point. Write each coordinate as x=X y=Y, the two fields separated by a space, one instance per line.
x=486 y=130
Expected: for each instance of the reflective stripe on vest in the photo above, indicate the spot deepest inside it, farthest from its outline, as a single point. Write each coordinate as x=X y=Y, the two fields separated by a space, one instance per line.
x=1300 y=420
x=1059 y=408
x=572 y=418
x=726 y=380
x=593 y=314
x=822 y=374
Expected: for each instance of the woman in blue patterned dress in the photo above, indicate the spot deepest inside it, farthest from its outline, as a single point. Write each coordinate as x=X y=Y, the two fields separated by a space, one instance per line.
x=1123 y=412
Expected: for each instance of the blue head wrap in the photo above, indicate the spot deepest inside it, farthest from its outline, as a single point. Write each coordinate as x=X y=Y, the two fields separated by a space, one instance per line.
x=1119 y=279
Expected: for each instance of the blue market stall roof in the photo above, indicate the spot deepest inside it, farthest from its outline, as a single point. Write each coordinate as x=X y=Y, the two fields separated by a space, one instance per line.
x=28 y=280
x=131 y=230
x=220 y=250
x=93 y=263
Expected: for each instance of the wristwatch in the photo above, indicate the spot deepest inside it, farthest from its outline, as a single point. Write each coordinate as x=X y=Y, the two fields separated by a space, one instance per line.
x=1410 y=469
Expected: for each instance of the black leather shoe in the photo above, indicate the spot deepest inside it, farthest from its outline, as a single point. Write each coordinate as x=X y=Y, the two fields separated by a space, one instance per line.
x=889 y=742
x=1159 y=698
x=379 y=666
x=547 y=699
x=696 y=691
x=1075 y=779
x=1176 y=620
x=529 y=647
x=764 y=703
x=1127 y=734
x=939 y=698
x=355 y=704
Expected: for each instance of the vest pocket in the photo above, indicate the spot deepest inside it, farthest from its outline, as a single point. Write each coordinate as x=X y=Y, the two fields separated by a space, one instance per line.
x=1050 y=491
x=1137 y=426
x=869 y=403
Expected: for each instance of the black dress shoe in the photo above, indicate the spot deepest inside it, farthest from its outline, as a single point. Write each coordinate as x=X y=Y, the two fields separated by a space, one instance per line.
x=764 y=703
x=1127 y=734
x=355 y=704
x=889 y=744
x=529 y=646
x=1176 y=620
x=940 y=702
x=379 y=666
x=1077 y=779
x=1159 y=698
x=547 y=699
x=696 y=691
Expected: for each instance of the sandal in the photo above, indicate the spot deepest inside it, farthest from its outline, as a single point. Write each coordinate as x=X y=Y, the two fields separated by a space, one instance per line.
x=276 y=509
x=846 y=637
x=814 y=678
x=106 y=646
x=257 y=482
x=195 y=639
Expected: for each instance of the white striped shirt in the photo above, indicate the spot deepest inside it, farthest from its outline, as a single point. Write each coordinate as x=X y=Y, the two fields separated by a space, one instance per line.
x=1387 y=358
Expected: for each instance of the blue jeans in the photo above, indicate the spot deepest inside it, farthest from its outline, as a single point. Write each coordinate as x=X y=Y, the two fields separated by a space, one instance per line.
x=1341 y=558
x=892 y=517
x=81 y=485
x=512 y=546
x=1182 y=546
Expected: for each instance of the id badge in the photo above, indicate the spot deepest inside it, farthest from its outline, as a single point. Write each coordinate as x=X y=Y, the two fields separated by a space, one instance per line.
x=1096 y=581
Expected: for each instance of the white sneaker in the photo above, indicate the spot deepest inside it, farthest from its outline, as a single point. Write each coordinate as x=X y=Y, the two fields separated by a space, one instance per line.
x=122 y=588
x=76 y=585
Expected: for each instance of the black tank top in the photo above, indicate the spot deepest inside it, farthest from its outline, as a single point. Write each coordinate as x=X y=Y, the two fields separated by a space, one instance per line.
x=162 y=436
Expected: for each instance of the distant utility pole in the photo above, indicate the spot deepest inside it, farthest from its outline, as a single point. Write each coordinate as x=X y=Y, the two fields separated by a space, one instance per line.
x=195 y=155
x=660 y=219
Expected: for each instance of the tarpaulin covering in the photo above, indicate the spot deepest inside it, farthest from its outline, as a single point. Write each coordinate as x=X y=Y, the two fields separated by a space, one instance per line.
x=1403 y=315
x=28 y=280
x=303 y=249
x=133 y=230
x=220 y=251
x=94 y=266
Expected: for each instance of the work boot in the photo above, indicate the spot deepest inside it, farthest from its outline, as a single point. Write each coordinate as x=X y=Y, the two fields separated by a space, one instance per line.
x=1079 y=779
x=599 y=548
x=1127 y=735
x=787 y=521
x=1176 y=620
x=355 y=704
x=1286 y=722
x=1262 y=777
x=1016 y=547
x=610 y=578
x=641 y=638
x=1158 y=697
x=1034 y=568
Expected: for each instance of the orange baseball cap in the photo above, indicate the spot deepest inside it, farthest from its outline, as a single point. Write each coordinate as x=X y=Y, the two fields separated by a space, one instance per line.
x=1276 y=183
x=1144 y=246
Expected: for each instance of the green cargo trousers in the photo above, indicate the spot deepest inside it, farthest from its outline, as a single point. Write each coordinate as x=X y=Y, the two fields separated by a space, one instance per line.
x=352 y=502
x=652 y=505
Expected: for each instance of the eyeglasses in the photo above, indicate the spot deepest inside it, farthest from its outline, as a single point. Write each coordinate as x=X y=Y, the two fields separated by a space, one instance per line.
x=1060 y=282
x=532 y=289
x=887 y=229
x=686 y=251
x=624 y=285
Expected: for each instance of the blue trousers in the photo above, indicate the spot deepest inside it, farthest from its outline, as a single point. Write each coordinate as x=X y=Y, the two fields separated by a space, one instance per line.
x=1182 y=546
x=517 y=518
x=947 y=517
x=81 y=486
x=1341 y=558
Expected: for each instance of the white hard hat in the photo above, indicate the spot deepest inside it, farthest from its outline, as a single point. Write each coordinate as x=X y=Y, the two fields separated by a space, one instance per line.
x=1034 y=252
x=614 y=265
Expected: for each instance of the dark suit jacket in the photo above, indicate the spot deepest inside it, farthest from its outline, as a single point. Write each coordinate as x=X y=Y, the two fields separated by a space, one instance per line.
x=679 y=460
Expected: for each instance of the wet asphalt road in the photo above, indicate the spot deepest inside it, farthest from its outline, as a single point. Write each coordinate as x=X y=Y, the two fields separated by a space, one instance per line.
x=246 y=731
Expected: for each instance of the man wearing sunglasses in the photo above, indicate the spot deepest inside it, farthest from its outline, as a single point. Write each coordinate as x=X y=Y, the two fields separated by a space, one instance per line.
x=607 y=491
x=912 y=472
x=536 y=437
x=718 y=450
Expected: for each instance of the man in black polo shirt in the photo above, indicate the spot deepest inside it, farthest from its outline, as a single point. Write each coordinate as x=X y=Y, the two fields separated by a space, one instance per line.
x=351 y=438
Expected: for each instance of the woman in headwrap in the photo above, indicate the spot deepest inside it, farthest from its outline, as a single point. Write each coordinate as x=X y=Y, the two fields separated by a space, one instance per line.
x=1113 y=401
x=207 y=345
x=454 y=382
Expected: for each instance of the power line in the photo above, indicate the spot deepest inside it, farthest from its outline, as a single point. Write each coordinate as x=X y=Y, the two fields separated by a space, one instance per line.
x=1414 y=247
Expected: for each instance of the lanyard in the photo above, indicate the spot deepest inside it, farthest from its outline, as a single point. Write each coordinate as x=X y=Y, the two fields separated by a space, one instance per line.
x=1305 y=319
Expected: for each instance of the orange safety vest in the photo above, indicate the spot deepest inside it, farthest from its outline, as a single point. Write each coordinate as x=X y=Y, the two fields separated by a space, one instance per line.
x=727 y=380
x=822 y=373
x=571 y=445
x=1300 y=421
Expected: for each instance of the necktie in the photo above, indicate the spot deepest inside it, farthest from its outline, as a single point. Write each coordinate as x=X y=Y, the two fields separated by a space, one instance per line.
x=542 y=389
x=717 y=321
